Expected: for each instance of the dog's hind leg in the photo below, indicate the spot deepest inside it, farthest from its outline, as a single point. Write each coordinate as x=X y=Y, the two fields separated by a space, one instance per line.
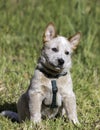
x=22 y=108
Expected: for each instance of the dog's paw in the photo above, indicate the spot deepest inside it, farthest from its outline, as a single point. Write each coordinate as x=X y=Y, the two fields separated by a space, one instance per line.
x=76 y=122
x=36 y=118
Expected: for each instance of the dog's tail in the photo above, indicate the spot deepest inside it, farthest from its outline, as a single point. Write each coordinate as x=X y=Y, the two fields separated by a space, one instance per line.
x=10 y=115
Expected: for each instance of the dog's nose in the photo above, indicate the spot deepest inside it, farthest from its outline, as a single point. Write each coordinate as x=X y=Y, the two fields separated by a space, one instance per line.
x=60 y=61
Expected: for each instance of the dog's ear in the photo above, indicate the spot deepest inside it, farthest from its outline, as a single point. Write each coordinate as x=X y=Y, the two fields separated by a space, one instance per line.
x=49 y=33
x=74 y=40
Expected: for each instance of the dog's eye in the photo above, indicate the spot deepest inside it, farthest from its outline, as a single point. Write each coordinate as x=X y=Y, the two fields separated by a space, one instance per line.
x=67 y=52
x=55 y=49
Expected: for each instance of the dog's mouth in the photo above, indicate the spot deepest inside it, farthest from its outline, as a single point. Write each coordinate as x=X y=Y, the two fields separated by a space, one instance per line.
x=52 y=69
x=55 y=67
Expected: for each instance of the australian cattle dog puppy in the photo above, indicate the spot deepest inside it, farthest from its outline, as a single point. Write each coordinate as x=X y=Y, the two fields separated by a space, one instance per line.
x=51 y=90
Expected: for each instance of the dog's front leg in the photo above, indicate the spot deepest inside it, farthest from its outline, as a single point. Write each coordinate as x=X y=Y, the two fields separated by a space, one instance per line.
x=35 y=106
x=69 y=103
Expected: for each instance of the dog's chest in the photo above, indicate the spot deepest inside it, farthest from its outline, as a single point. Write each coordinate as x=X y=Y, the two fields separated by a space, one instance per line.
x=61 y=84
x=49 y=95
x=47 y=110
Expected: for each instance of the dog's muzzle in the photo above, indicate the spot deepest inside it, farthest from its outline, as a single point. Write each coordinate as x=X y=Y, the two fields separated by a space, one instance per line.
x=61 y=62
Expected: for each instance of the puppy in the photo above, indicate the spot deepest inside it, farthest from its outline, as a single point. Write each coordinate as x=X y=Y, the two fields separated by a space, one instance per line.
x=51 y=90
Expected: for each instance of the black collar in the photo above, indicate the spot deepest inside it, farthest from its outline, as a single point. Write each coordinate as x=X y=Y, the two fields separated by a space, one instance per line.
x=50 y=73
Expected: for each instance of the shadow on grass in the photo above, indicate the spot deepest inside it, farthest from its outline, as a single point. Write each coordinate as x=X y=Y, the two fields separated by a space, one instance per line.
x=8 y=106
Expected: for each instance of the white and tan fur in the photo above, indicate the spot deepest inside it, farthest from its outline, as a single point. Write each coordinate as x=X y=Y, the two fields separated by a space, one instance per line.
x=54 y=63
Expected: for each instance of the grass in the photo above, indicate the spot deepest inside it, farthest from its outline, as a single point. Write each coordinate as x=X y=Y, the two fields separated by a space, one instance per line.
x=22 y=25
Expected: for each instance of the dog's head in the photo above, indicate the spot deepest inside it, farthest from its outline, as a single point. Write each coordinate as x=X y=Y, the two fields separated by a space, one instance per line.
x=57 y=50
